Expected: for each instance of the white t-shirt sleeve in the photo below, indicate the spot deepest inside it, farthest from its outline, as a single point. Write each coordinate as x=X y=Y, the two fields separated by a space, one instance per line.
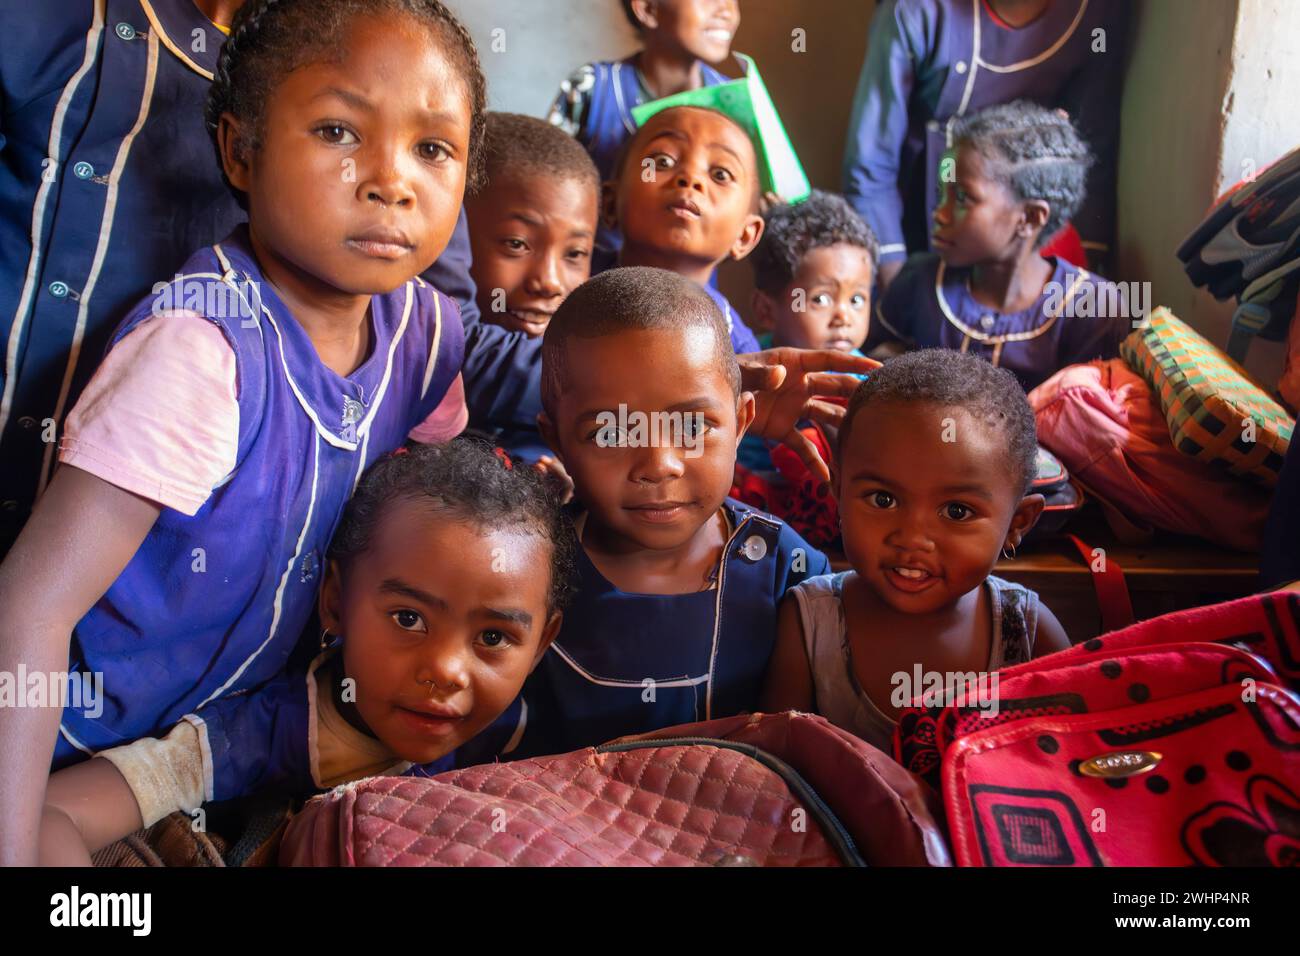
x=160 y=417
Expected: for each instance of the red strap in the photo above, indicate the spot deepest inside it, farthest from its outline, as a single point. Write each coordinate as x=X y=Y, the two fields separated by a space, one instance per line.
x=1112 y=591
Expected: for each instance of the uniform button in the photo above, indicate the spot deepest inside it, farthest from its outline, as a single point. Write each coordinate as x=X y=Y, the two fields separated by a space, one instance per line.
x=960 y=66
x=932 y=126
x=754 y=548
x=83 y=170
x=27 y=422
x=126 y=31
x=58 y=289
x=986 y=322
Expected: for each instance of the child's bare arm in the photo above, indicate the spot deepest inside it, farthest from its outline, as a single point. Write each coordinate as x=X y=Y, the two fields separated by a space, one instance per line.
x=789 y=684
x=80 y=536
x=1051 y=637
x=87 y=807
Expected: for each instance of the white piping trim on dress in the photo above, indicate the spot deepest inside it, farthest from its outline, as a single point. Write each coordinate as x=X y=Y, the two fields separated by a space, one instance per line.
x=970 y=74
x=101 y=251
x=284 y=579
x=1047 y=54
x=38 y=212
x=624 y=115
x=377 y=399
x=169 y=44
x=518 y=735
x=717 y=614
x=437 y=340
x=67 y=735
x=612 y=682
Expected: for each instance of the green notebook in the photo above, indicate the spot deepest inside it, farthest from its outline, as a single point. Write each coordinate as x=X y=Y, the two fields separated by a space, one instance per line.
x=747 y=102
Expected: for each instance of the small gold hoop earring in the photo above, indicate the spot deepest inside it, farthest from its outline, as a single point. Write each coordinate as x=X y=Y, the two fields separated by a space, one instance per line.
x=1012 y=555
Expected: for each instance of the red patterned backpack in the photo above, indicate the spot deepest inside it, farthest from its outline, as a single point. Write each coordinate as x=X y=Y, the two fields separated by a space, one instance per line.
x=1172 y=742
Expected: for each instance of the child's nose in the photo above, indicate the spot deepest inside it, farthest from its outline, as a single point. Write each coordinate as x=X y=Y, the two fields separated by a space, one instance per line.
x=385 y=182
x=445 y=670
x=544 y=279
x=911 y=534
x=656 y=463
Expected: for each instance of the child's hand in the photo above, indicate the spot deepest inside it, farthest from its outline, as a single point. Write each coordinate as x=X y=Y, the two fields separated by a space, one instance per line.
x=785 y=382
x=556 y=477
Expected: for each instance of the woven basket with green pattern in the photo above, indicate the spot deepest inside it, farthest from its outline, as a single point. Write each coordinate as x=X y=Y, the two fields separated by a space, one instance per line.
x=1215 y=412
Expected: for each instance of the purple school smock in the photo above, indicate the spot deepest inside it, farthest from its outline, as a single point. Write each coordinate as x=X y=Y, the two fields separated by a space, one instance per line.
x=595 y=107
x=170 y=639
x=929 y=61
x=94 y=209
x=930 y=306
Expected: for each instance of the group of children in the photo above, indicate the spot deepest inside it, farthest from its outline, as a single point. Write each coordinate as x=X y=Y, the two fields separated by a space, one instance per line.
x=231 y=481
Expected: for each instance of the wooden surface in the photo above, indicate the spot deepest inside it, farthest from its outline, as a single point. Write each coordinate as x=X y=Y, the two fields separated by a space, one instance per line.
x=1166 y=574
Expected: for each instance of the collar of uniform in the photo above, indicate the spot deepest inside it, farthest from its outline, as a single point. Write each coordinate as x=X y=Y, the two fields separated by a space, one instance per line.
x=1043 y=38
x=175 y=22
x=952 y=291
x=322 y=392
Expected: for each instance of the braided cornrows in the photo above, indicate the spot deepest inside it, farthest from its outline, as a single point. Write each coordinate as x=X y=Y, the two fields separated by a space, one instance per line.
x=271 y=38
x=1036 y=152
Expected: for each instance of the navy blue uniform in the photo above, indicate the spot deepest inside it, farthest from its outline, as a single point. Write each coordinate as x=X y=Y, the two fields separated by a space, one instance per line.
x=631 y=663
x=108 y=181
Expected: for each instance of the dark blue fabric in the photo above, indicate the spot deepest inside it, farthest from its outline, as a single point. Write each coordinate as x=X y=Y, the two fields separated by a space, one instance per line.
x=1279 y=560
x=170 y=637
x=911 y=85
x=631 y=663
x=912 y=312
x=169 y=199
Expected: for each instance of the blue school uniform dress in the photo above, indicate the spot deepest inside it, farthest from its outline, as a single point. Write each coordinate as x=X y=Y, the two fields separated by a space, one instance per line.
x=930 y=306
x=264 y=740
x=169 y=639
x=595 y=107
x=930 y=61
x=108 y=181
x=631 y=663
x=743 y=339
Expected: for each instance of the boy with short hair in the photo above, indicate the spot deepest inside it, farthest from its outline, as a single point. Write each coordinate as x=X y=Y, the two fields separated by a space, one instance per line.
x=531 y=229
x=674 y=619
x=685 y=196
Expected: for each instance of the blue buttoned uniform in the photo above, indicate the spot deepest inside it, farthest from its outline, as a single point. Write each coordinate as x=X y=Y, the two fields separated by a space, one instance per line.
x=631 y=663
x=108 y=181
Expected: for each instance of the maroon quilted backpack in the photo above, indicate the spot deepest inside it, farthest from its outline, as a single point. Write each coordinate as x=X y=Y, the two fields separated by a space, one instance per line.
x=752 y=790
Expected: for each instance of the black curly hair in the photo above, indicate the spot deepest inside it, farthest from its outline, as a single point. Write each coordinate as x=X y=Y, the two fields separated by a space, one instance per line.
x=269 y=39
x=465 y=480
x=791 y=231
x=532 y=146
x=1035 y=152
x=956 y=380
x=630 y=298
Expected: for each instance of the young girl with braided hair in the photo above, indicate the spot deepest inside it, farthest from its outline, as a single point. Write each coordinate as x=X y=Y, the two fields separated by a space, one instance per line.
x=176 y=556
x=1013 y=175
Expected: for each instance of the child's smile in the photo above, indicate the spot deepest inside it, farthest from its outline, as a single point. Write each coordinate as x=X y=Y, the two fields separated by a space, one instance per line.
x=357 y=177
x=925 y=503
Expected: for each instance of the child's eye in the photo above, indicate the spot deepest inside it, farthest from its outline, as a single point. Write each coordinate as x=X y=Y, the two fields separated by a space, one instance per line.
x=881 y=499
x=957 y=511
x=515 y=245
x=858 y=301
x=434 y=152
x=409 y=620
x=578 y=254
x=608 y=436
x=495 y=639
x=962 y=196
x=722 y=174
x=821 y=299
x=694 y=427
x=336 y=134
x=664 y=161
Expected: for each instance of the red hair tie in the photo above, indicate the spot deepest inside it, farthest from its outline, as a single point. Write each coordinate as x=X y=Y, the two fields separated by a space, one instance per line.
x=505 y=458
x=400 y=451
